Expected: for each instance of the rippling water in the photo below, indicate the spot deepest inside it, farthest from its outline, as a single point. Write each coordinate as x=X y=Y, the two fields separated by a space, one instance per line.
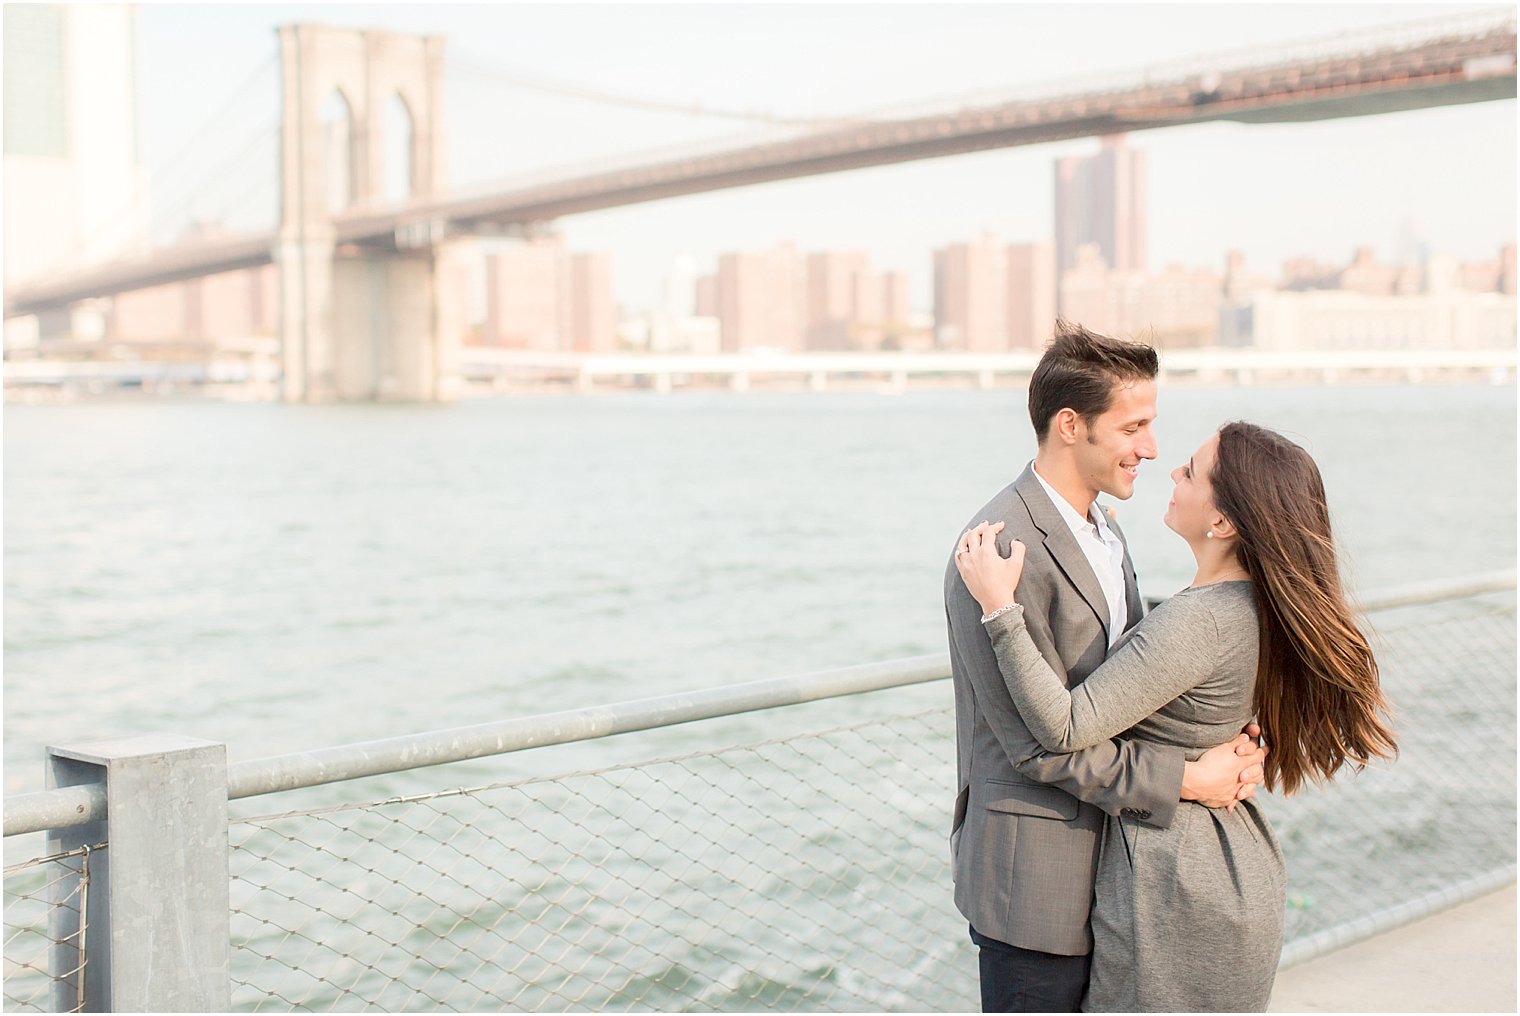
x=282 y=577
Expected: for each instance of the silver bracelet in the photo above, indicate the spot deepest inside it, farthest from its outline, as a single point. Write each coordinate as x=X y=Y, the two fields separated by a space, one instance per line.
x=998 y=613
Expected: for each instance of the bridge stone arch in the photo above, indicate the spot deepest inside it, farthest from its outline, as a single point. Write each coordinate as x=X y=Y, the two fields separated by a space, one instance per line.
x=381 y=320
x=400 y=181
x=337 y=116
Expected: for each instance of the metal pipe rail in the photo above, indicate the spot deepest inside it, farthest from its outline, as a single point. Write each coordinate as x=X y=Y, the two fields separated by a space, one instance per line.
x=73 y=806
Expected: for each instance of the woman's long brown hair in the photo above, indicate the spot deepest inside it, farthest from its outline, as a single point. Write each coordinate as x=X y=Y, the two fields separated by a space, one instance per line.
x=1317 y=694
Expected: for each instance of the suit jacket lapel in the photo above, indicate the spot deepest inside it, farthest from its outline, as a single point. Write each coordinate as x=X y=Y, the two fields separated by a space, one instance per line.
x=1061 y=544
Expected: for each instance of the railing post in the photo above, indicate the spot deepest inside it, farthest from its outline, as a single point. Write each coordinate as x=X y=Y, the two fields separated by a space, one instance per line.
x=156 y=910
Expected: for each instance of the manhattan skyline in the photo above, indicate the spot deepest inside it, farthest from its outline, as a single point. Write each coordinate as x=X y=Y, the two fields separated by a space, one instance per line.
x=1443 y=176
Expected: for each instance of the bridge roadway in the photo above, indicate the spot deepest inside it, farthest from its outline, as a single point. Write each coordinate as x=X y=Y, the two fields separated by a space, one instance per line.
x=1452 y=66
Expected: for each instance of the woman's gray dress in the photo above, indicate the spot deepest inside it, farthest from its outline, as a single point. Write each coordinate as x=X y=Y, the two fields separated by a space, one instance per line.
x=1190 y=917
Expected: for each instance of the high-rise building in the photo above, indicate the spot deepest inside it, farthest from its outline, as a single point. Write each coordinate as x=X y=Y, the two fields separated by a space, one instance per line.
x=1101 y=200
x=527 y=295
x=1031 y=295
x=217 y=309
x=540 y=296
x=894 y=300
x=762 y=299
x=1179 y=307
x=592 y=311
x=850 y=306
x=75 y=186
x=836 y=283
x=971 y=295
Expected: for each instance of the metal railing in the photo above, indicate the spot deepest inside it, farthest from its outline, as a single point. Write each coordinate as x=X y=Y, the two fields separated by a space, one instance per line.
x=808 y=871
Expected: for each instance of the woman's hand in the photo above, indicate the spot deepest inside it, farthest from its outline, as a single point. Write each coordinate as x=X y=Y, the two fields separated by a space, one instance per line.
x=991 y=577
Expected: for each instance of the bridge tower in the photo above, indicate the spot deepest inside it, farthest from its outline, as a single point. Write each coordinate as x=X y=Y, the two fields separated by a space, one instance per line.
x=381 y=321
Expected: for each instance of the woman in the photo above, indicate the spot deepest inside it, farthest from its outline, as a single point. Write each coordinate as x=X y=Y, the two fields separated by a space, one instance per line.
x=1190 y=917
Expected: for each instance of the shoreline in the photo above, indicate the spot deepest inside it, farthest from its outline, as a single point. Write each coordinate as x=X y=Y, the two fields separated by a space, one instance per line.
x=99 y=392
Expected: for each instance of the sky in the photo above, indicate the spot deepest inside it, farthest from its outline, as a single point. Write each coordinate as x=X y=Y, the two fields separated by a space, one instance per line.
x=1445 y=177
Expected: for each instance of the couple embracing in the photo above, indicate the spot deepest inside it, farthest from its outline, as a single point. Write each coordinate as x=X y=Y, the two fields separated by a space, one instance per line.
x=1107 y=852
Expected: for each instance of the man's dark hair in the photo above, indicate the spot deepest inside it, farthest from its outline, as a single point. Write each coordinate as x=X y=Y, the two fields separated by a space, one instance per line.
x=1080 y=370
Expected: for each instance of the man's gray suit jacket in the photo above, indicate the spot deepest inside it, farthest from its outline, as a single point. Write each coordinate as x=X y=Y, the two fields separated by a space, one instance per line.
x=1027 y=822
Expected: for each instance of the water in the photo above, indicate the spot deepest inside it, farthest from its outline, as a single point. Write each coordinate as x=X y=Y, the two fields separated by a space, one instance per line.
x=284 y=577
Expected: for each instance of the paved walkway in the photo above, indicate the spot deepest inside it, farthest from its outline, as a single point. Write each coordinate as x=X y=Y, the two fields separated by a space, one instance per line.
x=1459 y=960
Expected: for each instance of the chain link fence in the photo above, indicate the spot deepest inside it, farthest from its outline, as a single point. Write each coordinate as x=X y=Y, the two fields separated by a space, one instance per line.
x=46 y=899
x=806 y=872
x=802 y=873
x=1445 y=810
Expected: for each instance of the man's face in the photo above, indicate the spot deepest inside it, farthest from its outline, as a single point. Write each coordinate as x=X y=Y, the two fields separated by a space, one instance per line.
x=1109 y=451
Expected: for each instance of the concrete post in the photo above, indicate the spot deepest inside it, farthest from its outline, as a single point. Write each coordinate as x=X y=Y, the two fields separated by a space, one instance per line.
x=156 y=912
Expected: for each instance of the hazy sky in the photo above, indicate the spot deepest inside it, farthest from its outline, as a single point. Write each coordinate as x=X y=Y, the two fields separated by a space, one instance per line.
x=1446 y=176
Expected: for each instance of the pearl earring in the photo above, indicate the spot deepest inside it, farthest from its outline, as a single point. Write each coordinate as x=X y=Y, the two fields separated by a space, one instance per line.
x=1209 y=534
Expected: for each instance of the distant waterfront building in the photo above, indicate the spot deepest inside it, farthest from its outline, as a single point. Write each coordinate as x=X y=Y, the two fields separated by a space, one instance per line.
x=75 y=185
x=971 y=295
x=836 y=283
x=527 y=299
x=1496 y=276
x=761 y=299
x=593 y=314
x=661 y=333
x=705 y=296
x=1031 y=294
x=1102 y=200
x=851 y=306
x=1445 y=312
x=1366 y=276
x=893 y=326
x=213 y=310
x=990 y=297
x=1178 y=308
x=680 y=293
x=540 y=296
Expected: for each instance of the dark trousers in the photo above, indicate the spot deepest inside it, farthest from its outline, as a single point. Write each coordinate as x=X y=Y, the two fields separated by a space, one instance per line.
x=1022 y=980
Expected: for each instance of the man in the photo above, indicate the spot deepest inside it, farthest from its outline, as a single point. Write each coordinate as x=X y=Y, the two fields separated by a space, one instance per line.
x=1027 y=823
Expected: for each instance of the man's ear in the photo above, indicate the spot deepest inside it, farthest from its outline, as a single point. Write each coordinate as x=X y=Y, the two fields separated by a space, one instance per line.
x=1064 y=425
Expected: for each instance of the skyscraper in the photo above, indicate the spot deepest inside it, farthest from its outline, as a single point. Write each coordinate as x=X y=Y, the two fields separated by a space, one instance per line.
x=75 y=187
x=1031 y=295
x=971 y=295
x=1101 y=200
x=762 y=299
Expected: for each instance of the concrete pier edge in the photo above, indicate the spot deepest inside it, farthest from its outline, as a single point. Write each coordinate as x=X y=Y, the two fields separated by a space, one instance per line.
x=1367 y=926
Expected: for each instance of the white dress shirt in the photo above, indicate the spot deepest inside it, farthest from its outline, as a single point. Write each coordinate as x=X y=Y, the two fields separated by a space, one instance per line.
x=1104 y=552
